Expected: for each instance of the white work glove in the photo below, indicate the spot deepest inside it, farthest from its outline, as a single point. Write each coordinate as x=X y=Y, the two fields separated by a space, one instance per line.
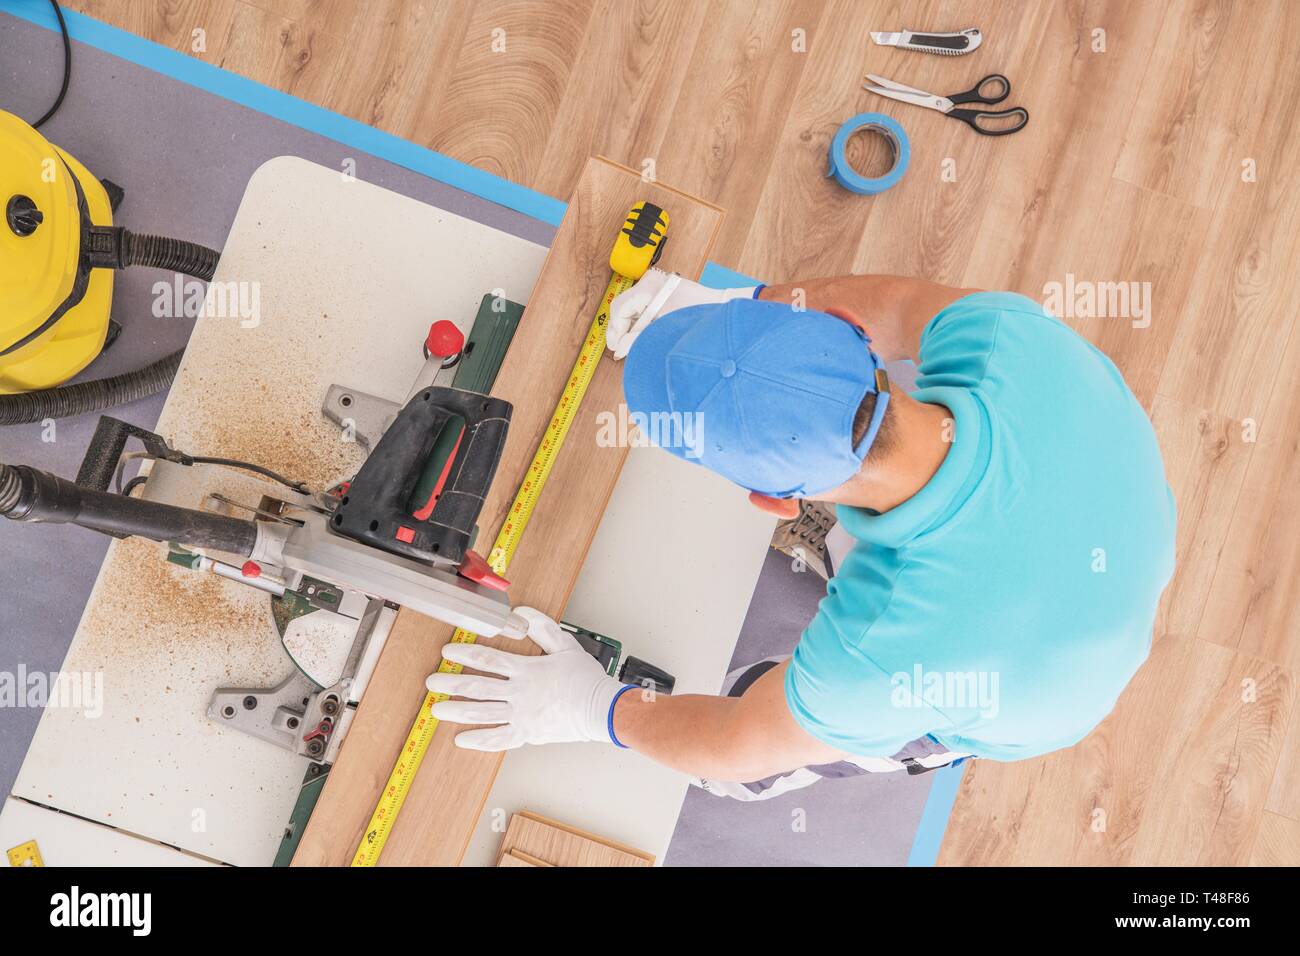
x=560 y=697
x=657 y=293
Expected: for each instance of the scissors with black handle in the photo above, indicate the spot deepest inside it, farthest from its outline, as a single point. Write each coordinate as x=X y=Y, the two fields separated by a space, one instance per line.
x=994 y=88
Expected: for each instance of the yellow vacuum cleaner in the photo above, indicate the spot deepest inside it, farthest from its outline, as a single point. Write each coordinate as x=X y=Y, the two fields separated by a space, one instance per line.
x=58 y=250
x=53 y=306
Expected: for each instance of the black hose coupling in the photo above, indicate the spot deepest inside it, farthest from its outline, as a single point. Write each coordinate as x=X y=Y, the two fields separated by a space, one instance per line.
x=114 y=247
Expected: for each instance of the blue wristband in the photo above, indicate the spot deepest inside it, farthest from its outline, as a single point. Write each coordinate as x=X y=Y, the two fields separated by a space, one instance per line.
x=609 y=721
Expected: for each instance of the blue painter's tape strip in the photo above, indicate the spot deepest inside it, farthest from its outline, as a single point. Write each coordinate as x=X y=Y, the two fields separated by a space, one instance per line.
x=290 y=109
x=934 y=816
x=850 y=178
x=715 y=276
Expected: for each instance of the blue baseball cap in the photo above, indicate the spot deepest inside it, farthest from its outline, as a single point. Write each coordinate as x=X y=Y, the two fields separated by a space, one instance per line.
x=768 y=393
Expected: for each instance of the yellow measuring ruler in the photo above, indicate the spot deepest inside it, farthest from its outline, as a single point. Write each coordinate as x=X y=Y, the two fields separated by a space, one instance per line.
x=26 y=854
x=638 y=246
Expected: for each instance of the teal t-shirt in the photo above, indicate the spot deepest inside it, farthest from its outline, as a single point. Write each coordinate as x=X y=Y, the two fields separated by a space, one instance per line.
x=1004 y=607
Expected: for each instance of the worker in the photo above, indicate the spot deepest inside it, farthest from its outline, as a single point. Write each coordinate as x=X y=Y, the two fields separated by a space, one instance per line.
x=1010 y=523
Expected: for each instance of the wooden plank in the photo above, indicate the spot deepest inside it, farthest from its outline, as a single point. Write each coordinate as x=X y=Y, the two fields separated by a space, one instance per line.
x=737 y=87
x=634 y=54
x=251 y=44
x=1240 y=302
x=821 y=212
x=1147 y=237
x=304 y=65
x=1277 y=843
x=508 y=78
x=198 y=28
x=1202 y=113
x=960 y=183
x=393 y=48
x=1284 y=791
x=511 y=860
x=452 y=785
x=1205 y=464
x=531 y=836
x=517 y=857
x=1253 y=603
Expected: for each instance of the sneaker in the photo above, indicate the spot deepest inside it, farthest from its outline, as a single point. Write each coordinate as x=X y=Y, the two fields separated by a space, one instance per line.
x=804 y=537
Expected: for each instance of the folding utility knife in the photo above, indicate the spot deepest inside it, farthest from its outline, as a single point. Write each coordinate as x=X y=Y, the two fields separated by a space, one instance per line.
x=945 y=44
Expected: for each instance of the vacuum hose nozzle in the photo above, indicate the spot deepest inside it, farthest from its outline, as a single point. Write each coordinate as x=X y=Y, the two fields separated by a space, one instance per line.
x=11 y=489
x=28 y=494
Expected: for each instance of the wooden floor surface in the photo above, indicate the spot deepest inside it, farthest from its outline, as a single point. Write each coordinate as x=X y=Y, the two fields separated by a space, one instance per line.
x=1159 y=151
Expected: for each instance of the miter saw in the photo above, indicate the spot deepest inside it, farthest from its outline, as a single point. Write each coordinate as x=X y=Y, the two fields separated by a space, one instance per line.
x=399 y=533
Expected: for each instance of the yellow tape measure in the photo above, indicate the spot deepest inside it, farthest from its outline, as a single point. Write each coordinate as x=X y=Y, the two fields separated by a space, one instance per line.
x=26 y=854
x=637 y=248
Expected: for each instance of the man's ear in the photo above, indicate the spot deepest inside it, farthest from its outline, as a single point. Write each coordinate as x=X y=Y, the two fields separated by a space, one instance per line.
x=781 y=507
x=850 y=317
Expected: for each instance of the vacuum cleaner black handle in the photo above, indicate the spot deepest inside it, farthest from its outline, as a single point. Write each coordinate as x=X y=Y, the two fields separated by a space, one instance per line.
x=106 y=447
x=420 y=491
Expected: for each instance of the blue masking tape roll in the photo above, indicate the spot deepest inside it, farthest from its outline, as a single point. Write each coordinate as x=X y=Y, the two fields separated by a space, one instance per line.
x=850 y=178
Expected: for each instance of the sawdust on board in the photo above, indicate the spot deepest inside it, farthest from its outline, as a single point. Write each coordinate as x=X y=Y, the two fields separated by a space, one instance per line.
x=319 y=643
x=168 y=622
x=247 y=393
x=251 y=391
x=256 y=395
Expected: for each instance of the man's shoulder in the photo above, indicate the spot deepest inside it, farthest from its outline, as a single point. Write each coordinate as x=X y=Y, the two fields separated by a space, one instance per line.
x=860 y=592
x=982 y=307
x=959 y=344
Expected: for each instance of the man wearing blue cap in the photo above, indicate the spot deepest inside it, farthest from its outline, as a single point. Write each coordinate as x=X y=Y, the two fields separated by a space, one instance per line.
x=1011 y=528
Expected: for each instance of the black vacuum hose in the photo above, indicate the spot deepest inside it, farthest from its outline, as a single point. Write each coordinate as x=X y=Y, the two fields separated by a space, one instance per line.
x=176 y=255
x=29 y=494
x=89 y=396
x=63 y=401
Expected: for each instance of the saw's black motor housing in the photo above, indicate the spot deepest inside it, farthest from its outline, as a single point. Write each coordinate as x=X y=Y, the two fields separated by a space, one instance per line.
x=377 y=506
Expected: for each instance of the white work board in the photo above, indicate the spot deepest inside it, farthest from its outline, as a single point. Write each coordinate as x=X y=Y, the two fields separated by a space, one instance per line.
x=348 y=277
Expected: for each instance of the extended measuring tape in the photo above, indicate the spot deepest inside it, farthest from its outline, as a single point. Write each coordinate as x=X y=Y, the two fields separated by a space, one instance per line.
x=637 y=248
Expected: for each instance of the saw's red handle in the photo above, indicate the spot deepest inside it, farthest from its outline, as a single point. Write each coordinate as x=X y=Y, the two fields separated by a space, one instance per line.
x=433 y=478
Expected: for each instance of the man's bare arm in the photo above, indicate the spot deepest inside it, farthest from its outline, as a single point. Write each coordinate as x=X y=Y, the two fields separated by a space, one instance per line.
x=893 y=310
x=738 y=739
